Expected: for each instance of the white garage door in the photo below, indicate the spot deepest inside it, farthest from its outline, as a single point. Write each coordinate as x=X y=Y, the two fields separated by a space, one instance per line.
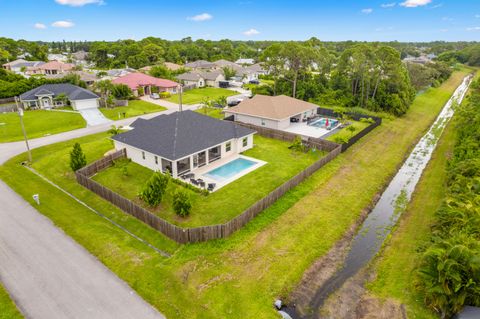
x=84 y=104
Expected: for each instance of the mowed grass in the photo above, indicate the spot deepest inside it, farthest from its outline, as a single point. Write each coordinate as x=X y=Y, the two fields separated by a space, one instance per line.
x=241 y=276
x=212 y=112
x=225 y=203
x=134 y=108
x=8 y=309
x=197 y=96
x=38 y=123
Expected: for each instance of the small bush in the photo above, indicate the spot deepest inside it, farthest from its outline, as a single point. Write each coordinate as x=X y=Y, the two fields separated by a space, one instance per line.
x=154 y=189
x=165 y=95
x=77 y=158
x=181 y=204
x=189 y=186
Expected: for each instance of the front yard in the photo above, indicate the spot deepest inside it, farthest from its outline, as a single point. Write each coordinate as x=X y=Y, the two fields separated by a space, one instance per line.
x=229 y=201
x=38 y=123
x=134 y=108
x=211 y=111
x=197 y=96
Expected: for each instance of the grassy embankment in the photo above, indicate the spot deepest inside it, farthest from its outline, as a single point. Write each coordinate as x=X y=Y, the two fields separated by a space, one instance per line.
x=241 y=276
x=8 y=310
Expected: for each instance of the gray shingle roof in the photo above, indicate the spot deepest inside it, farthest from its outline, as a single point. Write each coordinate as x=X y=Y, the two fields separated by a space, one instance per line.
x=180 y=134
x=73 y=92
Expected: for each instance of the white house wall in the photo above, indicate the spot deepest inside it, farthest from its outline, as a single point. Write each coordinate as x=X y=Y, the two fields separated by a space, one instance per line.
x=254 y=120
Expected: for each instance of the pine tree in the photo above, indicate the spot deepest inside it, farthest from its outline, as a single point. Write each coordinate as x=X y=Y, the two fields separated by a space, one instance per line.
x=154 y=189
x=77 y=158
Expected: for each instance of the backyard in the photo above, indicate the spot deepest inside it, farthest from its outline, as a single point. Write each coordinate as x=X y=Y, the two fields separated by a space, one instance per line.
x=345 y=134
x=241 y=276
x=134 y=108
x=227 y=202
x=38 y=123
x=197 y=96
x=211 y=111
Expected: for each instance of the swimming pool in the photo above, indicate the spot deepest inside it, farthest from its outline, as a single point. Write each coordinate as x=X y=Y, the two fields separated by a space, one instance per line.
x=230 y=169
x=323 y=123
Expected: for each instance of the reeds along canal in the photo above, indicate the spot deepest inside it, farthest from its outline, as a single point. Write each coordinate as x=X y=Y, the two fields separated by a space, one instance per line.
x=368 y=241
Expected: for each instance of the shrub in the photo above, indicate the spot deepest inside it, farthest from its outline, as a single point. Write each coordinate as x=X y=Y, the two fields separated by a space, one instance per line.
x=77 y=158
x=141 y=91
x=154 y=189
x=181 y=204
x=121 y=92
x=297 y=145
x=165 y=95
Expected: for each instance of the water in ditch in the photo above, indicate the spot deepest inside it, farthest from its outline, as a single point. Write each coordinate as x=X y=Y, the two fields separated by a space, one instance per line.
x=393 y=201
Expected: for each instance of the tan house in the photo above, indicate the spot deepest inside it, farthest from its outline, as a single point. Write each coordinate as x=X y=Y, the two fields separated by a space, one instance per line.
x=50 y=68
x=202 y=79
x=276 y=112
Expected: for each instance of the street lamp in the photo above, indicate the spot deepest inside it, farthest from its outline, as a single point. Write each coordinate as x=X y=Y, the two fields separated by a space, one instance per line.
x=20 y=114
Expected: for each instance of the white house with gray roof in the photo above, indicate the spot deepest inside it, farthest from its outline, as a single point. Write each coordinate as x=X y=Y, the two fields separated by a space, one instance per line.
x=46 y=97
x=201 y=79
x=183 y=142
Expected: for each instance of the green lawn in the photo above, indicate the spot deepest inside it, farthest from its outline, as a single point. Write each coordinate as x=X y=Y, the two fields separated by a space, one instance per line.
x=38 y=123
x=212 y=111
x=134 y=108
x=227 y=202
x=241 y=276
x=8 y=310
x=345 y=134
x=197 y=96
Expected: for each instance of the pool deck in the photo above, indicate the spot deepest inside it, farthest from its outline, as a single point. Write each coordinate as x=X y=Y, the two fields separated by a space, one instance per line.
x=308 y=130
x=202 y=171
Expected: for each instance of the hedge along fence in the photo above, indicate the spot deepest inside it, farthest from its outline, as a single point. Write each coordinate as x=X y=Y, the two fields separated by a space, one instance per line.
x=355 y=117
x=203 y=233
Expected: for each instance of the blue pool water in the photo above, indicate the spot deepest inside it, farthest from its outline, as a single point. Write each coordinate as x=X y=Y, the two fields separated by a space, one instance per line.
x=321 y=123
x=230 y=169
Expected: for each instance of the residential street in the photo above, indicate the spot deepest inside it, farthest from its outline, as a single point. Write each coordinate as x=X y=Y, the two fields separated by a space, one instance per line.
x=46 y=272
x=51 y=276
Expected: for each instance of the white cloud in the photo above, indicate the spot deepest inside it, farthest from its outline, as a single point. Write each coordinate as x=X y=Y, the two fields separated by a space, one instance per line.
x=39 y=26
x=63 y=24
x=473 y=29
x=367 y=11
x=201 y=17
x=251 y=32
x=415 y=3
x=78 y=3
x=388 y=5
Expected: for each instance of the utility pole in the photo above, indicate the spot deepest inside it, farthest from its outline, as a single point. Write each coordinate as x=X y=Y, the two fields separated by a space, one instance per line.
x=20 y=114
x=180 y=98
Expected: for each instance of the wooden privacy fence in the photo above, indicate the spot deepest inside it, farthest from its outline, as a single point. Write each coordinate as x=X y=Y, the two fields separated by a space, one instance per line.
x=197 y=234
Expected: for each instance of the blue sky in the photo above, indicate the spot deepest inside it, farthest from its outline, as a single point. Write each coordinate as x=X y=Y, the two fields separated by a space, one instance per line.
x=405 y=20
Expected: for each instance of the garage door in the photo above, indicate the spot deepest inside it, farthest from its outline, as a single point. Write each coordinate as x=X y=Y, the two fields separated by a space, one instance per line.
x=84 y=104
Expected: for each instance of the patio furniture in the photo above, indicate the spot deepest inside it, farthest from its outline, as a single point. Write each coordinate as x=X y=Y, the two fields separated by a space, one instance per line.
x=193 y=181
x=211 y=186
x=201 y=183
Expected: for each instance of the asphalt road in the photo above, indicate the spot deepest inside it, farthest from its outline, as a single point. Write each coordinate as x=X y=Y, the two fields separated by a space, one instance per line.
x=46 y=272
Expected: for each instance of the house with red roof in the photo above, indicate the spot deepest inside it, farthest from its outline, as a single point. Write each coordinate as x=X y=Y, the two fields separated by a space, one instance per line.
x=136 y=81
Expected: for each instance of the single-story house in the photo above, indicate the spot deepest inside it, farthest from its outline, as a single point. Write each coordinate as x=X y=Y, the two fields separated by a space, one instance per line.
x=80 y=55
x=116 y=73
x=275 y=112
x=200 y=65
x=258 y=69
x=57 y=57
x=245 y=61
x=51 y=67
x=201 y=79
x=182 y=141
x=173 y=66
x=88 y=78
x=139 y=80
x=220 y=64
x=21 y=65
x=45 y=97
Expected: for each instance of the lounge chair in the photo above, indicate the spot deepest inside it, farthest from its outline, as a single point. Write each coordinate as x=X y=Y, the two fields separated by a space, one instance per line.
x=211 y=187
x=193 y=181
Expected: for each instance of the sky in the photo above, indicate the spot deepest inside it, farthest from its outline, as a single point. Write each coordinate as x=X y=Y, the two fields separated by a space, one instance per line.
x=328 y=20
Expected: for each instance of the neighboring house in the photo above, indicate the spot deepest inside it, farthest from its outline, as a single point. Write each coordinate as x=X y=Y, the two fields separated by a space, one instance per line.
x=182 y=141
x=245 y=61
x=20 y=66
x=116 y=73
x=258 y=69
x=192 y=79
x=220 y=64
x=45 y=97
x=80 y=55
x=246 y=75
x=57 y=57
x=50 y=68
x=275 y=112
x=202 y=79
x=173 y=66
x=200 y=65
x=88 y=78
x=138 y=80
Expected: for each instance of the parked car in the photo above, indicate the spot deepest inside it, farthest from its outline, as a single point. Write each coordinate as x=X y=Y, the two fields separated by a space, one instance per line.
x=155 y=96
x=218 y=106
x=234 y=102
x=254 y=82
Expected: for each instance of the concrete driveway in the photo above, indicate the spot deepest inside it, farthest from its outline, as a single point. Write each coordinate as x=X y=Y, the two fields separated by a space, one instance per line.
x=46 y=272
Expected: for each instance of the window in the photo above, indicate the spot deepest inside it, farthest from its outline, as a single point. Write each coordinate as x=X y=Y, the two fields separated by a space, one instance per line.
x=263 y=123
x=156 y=160
x=166 y=166
x=228 y=147
x=143 y=155
x=245 y=141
